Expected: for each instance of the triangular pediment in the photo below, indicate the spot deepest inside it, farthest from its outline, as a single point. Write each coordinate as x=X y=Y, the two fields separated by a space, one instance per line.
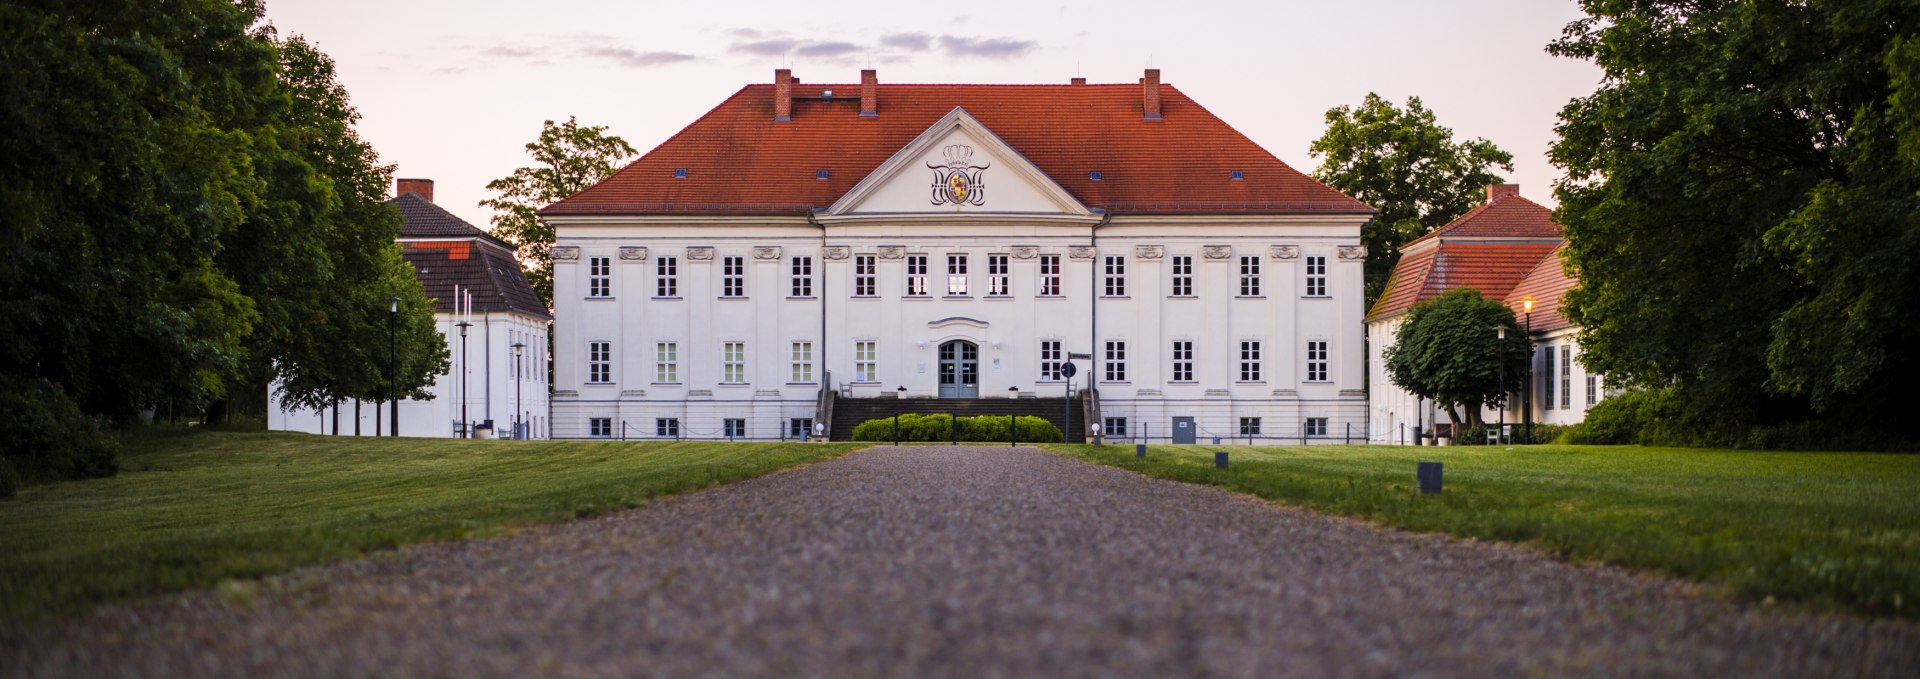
x=958 y=166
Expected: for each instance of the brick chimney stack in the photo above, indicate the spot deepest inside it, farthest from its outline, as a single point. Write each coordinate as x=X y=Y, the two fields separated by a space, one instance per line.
x=1150 y=94
x=782 y=95
x=424 y=187
x=1495 y=191
x=869 y=93
x=1077 y=81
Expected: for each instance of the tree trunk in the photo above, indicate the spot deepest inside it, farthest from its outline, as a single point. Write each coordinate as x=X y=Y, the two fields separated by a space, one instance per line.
x=378 y=407
x=356 y=417
x=336 y=418
x=218 y=409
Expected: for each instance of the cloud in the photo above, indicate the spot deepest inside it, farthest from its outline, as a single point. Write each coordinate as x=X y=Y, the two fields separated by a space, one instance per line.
x=746 y=33
x=986 y=48
x=766 y=48
x=634 y=58
x=827 y=49
x=513 y=52
x=912 y=42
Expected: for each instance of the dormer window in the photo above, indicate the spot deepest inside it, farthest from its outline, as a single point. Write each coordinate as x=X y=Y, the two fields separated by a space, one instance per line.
x=819 y=174
x=1093 y=176
x=1237 y=175
x=679 y=173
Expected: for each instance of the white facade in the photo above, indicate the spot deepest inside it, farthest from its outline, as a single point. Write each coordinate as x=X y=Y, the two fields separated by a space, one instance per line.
x=651 y=339
x=1562 y=389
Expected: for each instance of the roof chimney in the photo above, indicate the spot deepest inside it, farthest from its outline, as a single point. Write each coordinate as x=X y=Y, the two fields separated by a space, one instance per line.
x=423 y=187
x=782 y=95
x=1077 y=81
x=1494 y=191
x=869 y=93
x=1150 y=94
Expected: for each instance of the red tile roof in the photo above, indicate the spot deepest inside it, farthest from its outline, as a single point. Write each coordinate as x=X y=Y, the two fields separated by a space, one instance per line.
x=1491 y=268
x=1547 y=283
x=739 y=161
x=446 y=252
x=1506 y=216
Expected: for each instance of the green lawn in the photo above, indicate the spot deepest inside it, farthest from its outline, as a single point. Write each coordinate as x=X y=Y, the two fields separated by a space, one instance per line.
x=1829 y=530
x=192 y=510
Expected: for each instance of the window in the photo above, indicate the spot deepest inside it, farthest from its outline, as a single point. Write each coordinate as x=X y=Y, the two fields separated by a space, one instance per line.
x=1116 y=361
x=599 y=362
x=1249 y=276
x=1183 y=360
x=799 y=428
x=666 y=427
x=599 y=276
x=733 y=276
x=601 y=427
x=802 y=363
x=1050 y=361
x=1249 y=426
x=666 y=362
x=1546 y=385
x=1182 y=276
x=1114 y=426
x=1317 y=276
x=1116 y=266
x=734 y=427
x=802 y=271
x=865 y=275
x=997 y=283
x=916 y=275
x=733 y=363
x=1049 y=275
x=956 y=275
x=1249 y=361
x=1316 y=426
x=666 y=277
x=1566 y=377
x=1593 y=390
x=866 y=361
x=1317 y=361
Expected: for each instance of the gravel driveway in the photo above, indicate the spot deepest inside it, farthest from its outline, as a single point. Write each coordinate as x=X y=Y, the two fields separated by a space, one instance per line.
x=963 y=562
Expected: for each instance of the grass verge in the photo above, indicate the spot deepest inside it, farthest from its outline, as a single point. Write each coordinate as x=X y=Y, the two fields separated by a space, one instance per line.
x=194 y=510
x=1829 y=530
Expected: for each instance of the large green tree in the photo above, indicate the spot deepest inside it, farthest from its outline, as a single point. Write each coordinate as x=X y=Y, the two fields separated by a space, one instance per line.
x=1449 y=350
x=1743 y=203
x=568 y=158
x=1409 y=167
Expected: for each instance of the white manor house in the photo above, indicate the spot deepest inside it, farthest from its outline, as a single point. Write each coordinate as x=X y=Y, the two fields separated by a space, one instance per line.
x=810 y=255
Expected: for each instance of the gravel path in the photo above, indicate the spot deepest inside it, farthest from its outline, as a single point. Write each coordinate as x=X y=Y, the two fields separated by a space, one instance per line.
x=963 y=562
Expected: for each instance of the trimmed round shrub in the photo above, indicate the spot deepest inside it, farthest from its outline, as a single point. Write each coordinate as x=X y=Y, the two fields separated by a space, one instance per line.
x=941 y=427
x=1625 y=419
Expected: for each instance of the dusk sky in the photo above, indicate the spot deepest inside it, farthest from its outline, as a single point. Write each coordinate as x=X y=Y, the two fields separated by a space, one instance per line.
x=452 y=90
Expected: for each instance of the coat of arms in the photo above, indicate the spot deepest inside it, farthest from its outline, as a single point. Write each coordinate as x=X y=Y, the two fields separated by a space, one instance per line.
x=958 y=181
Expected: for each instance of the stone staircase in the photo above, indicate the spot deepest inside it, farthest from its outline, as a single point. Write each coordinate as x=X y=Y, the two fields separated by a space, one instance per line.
x=850 y=412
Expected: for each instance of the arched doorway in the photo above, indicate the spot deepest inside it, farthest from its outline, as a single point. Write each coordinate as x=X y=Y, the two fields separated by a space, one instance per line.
x=959 y=369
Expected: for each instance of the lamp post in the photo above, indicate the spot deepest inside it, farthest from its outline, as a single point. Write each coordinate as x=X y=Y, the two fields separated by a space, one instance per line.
x=393 y=368
x=519 y=348
x=1526 y=396
x=1502 y=332
x=466 y=431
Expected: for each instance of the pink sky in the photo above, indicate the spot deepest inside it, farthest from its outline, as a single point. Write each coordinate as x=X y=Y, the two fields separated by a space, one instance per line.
x=452 y=90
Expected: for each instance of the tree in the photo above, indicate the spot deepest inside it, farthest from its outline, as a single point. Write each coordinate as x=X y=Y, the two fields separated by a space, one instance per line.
x=1448 y=350
x=1407 y=166
x=1743 y=203
x=568 y=158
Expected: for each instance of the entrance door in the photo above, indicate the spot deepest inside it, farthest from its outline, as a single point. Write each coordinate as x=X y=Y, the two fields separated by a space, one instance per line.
x=1183 y=430
x=959 y=370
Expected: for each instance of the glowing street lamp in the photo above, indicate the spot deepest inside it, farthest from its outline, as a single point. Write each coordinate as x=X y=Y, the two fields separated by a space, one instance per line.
x=1526 y=396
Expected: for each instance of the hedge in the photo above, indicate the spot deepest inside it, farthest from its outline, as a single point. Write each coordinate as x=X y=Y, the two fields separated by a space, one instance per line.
x=940 y=428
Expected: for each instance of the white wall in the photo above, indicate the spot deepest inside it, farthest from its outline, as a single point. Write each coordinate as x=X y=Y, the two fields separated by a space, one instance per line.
x=1396 y=414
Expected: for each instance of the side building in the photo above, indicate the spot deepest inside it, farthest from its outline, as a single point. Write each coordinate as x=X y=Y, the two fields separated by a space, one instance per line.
x=464 y=269
x=804 y=256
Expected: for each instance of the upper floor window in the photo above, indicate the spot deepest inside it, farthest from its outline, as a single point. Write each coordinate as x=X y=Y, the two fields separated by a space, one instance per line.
x=1050 y=359
x=1116 y=278
x=733 y=276
x=1182 y=267
x=1249 y=361
x=865 y=276
x=666 y=362
x=1049 y=275
x=666 y=277
x=599 y=276
x=1316 y=276
x=1249 y=276
x=801 y=369
x=802 y=272
x=1316 y=360
x=916 y=275
x=1182 y=361
x=997 y=283
x=866 y=361
x=600 y=362
x=1116 y=361
x=956 y=275
x=733 y=363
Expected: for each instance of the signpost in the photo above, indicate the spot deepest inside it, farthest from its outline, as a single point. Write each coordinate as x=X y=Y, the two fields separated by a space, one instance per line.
x=1066 y=382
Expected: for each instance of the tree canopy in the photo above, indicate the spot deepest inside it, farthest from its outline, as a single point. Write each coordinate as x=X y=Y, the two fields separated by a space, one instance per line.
x=568 y=158
x=1743 y=204
x=1409 y=167
x=1448 y=350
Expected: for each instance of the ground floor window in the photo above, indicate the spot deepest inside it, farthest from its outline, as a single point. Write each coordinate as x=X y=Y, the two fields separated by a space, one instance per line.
x=1115 y=426
x=1249 y=426
x=735 y=427
x=600 y=426
x=1316 y=426
x=799 y=427
x=666 y=427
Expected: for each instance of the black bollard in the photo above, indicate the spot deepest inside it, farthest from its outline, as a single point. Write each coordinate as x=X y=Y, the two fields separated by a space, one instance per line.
x=1140 y=450
x=1429 y=477
x=896 y=429
x=1219 y=459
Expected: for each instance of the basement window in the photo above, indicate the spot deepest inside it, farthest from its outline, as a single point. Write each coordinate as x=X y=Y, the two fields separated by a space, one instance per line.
x=679 y=173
